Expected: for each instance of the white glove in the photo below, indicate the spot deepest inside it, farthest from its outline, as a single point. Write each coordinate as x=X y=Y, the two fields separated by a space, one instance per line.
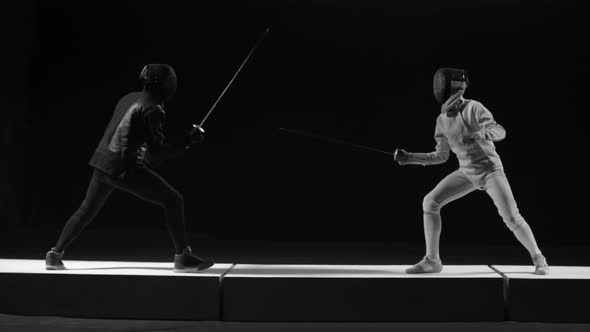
x=401 y=156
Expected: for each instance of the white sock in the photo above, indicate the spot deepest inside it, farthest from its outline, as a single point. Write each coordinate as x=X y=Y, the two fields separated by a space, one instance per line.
x=432 y=230
x=525 y=236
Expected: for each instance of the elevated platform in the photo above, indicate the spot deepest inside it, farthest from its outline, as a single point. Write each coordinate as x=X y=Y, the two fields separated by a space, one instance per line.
x=344 y=293
x=132 y=290
x=294 y=293
x=561 y=296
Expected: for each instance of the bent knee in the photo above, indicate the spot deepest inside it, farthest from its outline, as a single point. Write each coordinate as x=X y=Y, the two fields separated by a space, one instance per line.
x=173 y=198
x=513 y=221
x=429 y=205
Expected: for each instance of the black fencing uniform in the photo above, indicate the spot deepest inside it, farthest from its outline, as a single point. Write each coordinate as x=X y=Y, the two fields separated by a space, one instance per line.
x=121 y=162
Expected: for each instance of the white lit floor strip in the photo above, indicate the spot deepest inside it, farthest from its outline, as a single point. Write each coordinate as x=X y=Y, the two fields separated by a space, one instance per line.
x=557 y=272
x=104 y=268
x=356 y=271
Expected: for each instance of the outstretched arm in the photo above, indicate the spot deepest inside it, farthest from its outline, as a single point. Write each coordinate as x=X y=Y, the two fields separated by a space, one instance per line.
x=438 y=156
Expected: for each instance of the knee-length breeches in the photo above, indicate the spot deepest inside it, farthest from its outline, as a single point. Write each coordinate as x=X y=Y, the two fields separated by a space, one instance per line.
x=458 y=184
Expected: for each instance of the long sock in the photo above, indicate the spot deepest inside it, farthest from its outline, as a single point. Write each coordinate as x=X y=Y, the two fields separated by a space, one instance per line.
x=525 y=236
x=432 y=230
x=71 y=230
x=97 y=194
x=76 y=224
x=176 y=226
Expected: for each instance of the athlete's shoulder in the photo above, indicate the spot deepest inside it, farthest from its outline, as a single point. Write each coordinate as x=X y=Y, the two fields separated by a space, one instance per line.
x=474 y=106
x=130 y=98
x=472 y=103
x=126 y=103
x=440 y=119
x=139 y=102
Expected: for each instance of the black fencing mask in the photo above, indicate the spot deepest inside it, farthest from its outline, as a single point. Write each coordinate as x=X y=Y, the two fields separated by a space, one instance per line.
x=159 y=80
x=447 y=81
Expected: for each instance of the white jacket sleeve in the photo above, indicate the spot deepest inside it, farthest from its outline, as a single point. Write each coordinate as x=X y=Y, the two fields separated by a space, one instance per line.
x=438 y=156
x=484 y=121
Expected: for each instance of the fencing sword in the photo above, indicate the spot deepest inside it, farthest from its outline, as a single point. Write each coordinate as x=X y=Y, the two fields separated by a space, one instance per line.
x=337 y=141
x=200 y=125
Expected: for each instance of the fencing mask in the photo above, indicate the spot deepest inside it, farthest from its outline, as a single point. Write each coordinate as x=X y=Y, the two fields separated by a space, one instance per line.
x=447 y=81
x=159 y=80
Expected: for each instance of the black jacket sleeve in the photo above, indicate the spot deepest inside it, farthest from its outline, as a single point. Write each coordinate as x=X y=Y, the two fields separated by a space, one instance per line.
x=157 y=147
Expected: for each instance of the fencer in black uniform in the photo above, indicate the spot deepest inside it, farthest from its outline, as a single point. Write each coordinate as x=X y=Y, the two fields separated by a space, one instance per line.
x=132 y=143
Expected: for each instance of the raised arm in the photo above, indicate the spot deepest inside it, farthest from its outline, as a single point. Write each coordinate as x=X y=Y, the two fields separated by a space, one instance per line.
x=156 y=143
x=485 y=123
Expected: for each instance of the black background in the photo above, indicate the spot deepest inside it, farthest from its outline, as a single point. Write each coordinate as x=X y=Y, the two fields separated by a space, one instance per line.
x=354 y=70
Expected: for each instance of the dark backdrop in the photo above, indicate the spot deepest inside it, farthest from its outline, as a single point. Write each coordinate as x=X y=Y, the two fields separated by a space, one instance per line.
x=354 y=70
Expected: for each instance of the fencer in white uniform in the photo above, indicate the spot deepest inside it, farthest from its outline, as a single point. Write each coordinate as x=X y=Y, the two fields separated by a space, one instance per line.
x=468 y=129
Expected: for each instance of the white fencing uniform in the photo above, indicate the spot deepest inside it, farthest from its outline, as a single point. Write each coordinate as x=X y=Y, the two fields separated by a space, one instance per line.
x=468 y=129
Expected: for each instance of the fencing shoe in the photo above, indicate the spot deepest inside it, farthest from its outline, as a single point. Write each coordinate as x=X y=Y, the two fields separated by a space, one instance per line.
x=189 y=262
x=53 y=260
x=426 y=265
x=541 y=266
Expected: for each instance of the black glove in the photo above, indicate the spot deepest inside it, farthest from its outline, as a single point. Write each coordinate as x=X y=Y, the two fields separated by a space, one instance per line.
x=195 y=136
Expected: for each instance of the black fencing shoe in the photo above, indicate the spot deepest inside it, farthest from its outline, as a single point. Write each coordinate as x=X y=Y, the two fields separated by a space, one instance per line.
x=189 y=262
x=53 y=260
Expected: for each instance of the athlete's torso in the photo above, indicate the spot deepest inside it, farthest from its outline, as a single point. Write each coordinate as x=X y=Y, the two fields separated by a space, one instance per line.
x=474 y=158
x=126 y=134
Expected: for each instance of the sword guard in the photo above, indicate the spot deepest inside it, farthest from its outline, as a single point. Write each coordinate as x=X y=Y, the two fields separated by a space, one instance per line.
x=196 y=128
